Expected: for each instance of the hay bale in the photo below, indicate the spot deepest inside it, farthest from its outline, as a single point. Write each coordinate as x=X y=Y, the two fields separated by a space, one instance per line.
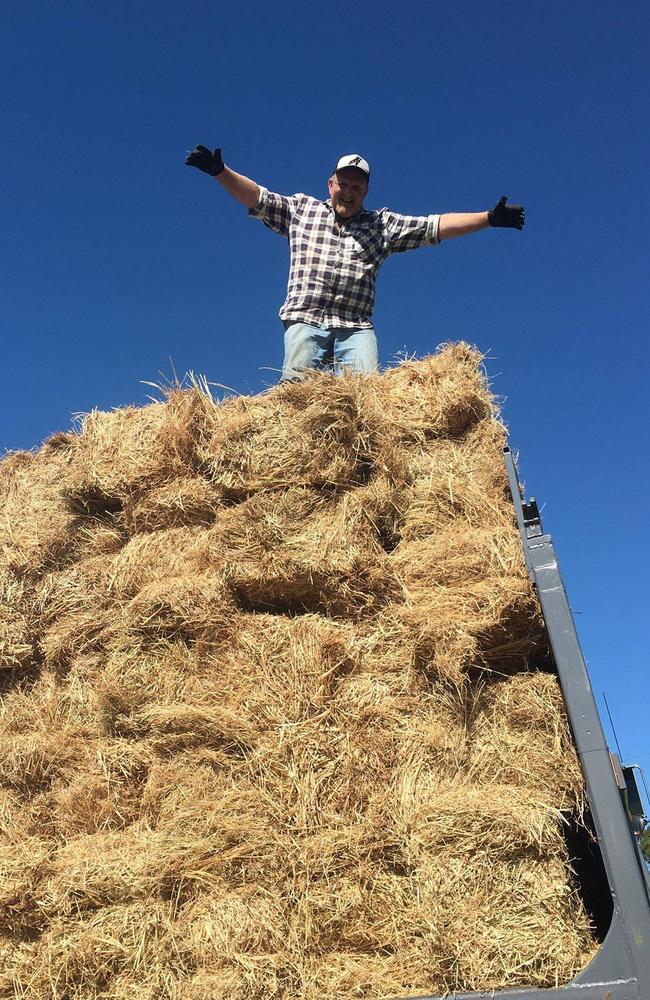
x=17 y=639
x=304 y=434
x=295 y=551
x=520 y=737
x=527 y=921
x=73 y=609
x=36 y=527
x=441 y=396
x=23 y=867
x=183 y=501
x=132 y=449
x=469 y=603
x=153 y=556
x=460 y=483
x=100 y=790
x=270 y=674
x=83 y=954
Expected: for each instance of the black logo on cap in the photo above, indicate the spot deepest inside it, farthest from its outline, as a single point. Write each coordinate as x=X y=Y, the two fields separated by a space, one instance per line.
x=355 y=160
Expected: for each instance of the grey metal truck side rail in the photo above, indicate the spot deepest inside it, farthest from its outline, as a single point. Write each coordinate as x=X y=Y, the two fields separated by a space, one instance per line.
x=620 y=970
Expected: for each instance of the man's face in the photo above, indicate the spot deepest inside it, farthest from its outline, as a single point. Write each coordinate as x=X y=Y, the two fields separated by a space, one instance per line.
x=348 y=188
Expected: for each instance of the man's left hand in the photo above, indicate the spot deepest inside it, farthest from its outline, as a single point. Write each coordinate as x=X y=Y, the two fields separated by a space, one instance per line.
x=507 y=216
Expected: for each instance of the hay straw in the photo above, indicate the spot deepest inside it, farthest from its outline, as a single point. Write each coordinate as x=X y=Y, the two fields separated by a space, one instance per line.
x=271 y=724
x=469 y=600
x=519 y=910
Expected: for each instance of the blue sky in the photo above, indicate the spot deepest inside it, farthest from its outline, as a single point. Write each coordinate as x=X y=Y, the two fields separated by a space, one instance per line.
x=119 y=258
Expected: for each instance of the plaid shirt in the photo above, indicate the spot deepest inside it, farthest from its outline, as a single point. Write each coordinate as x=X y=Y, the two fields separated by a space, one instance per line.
x=334 y=267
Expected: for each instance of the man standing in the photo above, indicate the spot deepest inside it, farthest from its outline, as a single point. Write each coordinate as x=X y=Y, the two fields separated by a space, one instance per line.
x=337 y=248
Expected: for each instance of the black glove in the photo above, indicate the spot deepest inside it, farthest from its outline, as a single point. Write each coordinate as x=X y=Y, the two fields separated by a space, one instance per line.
x=507 y=216
x=208 y=162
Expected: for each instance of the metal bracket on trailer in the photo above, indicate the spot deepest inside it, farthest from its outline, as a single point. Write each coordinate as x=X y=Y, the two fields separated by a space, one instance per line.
x=620 y=970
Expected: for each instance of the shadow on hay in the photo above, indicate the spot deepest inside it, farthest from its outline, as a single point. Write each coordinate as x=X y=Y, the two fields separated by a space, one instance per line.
x=589 y=876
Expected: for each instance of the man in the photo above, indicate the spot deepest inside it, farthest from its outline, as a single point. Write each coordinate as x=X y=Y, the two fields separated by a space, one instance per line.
x=337 y=248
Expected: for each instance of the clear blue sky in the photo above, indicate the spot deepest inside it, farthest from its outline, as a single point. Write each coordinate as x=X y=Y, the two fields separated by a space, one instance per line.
x=117 y=257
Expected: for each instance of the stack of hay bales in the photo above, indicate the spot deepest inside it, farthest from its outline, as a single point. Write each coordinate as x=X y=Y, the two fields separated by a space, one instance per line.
x=271 y=723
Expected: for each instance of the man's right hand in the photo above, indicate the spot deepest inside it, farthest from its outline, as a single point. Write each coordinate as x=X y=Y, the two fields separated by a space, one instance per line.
x=205 y=160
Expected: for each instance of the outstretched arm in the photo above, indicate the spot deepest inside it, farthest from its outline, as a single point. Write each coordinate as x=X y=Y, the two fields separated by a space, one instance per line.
x=242 y=189
x=461 y=223
x=246 y=191
x=501 y=216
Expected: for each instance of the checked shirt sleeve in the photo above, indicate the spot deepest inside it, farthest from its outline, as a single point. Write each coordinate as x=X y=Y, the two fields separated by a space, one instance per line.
x=275 y=210
x=408 y=232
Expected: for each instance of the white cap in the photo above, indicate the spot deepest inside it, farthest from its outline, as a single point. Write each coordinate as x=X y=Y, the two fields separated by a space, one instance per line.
x=353 y=160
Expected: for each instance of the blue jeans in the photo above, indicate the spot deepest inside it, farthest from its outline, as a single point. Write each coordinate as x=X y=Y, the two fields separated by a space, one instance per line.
x=321 y=347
